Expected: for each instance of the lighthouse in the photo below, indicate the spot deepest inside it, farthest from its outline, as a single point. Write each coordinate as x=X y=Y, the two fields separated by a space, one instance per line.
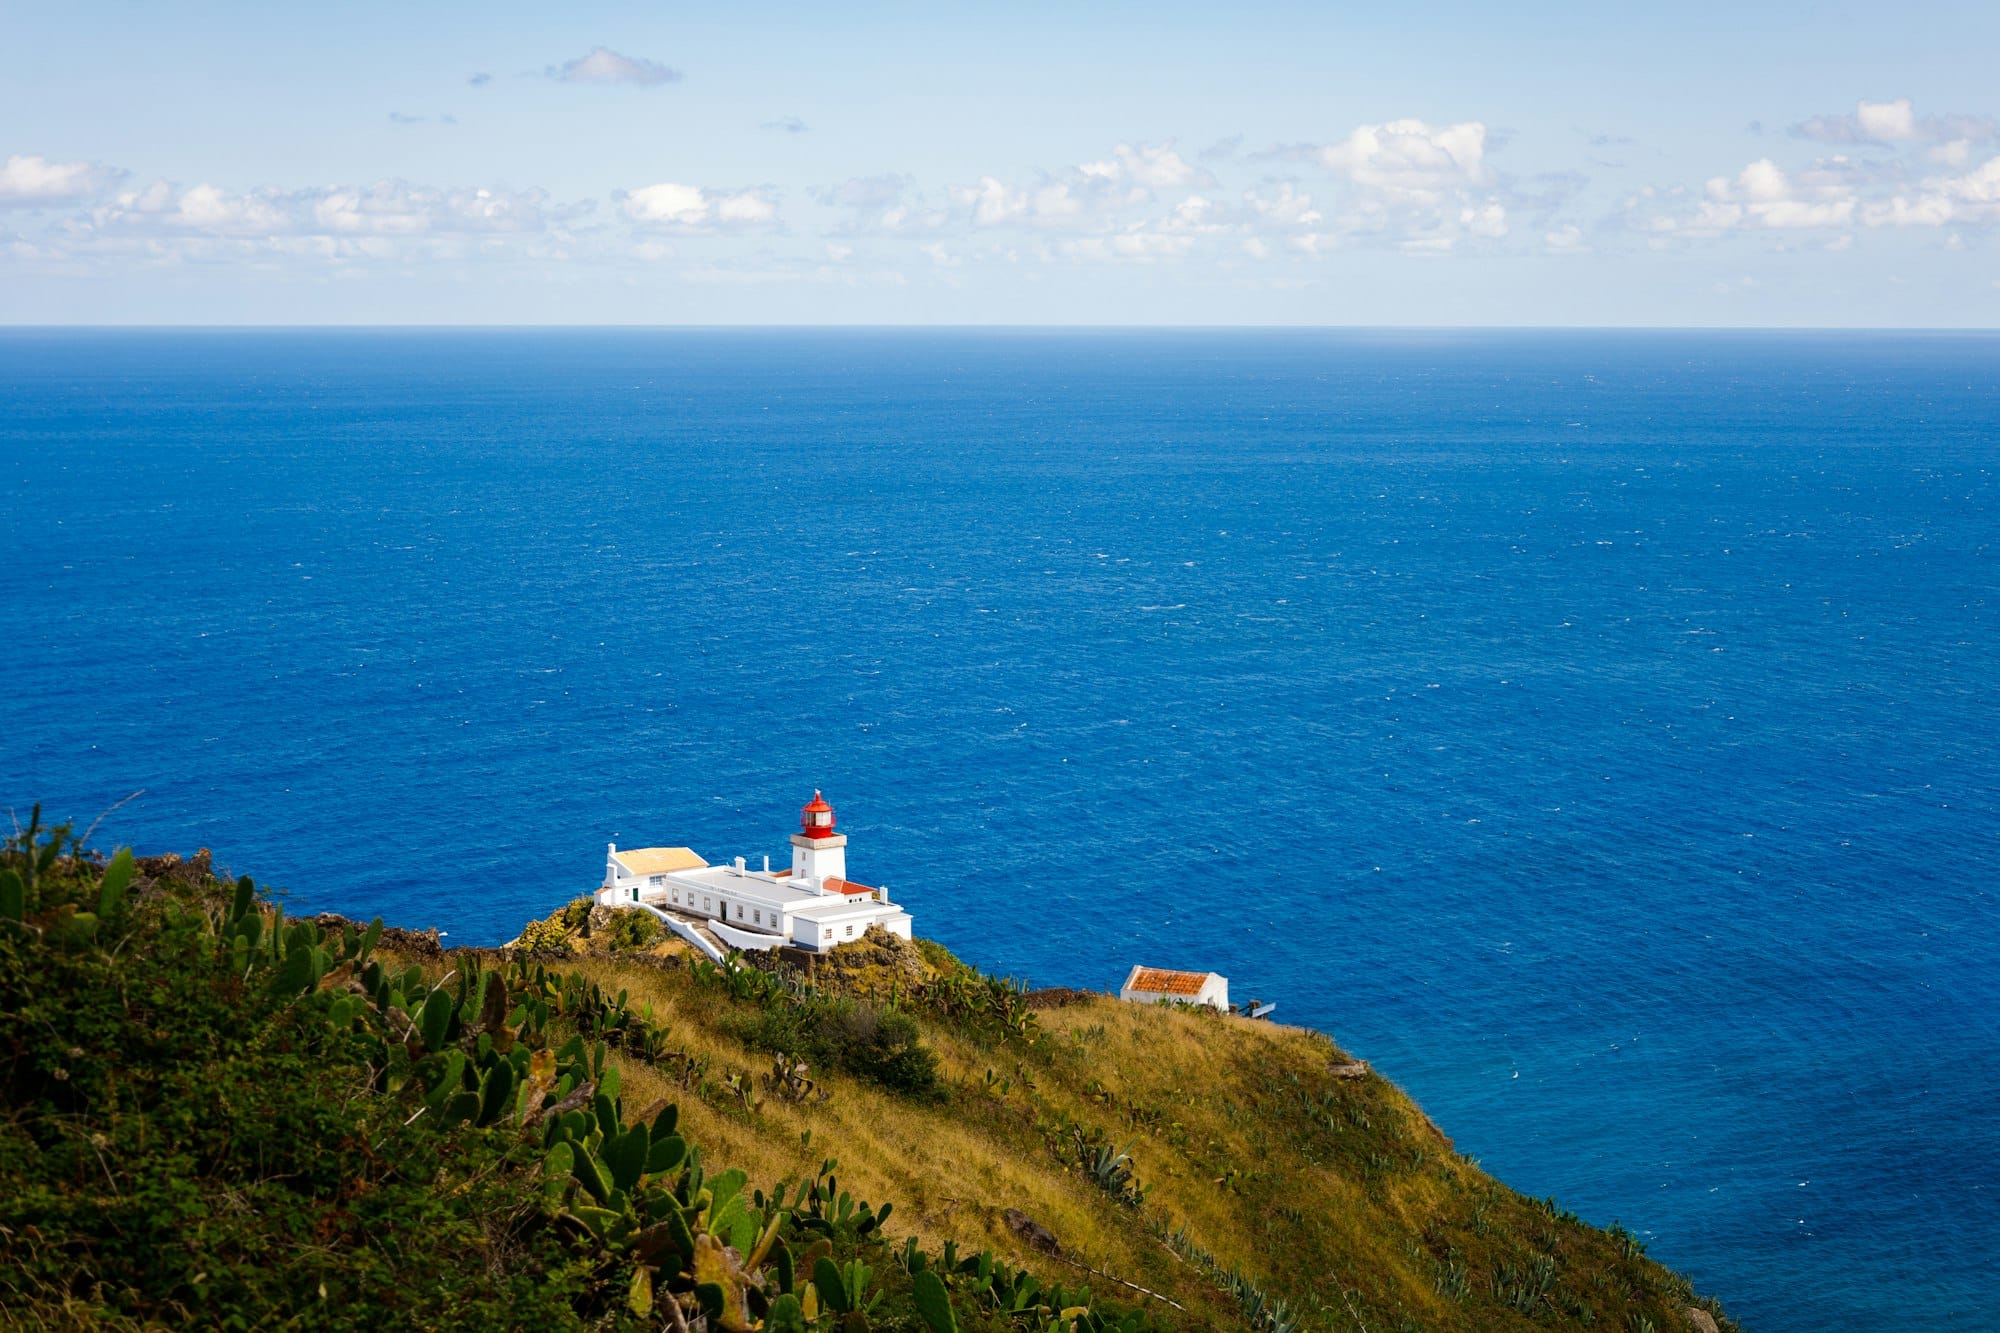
x=715 y=908
x=818 y=853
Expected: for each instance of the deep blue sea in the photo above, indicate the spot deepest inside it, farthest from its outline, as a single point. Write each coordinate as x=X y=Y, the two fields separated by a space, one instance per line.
x=1598 y=732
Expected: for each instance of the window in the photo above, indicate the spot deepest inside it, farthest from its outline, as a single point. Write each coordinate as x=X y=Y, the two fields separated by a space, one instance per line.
x=657 y=880
x=705 y=907
x=739 y=911
x=826 y=934
x=850 y=931
x=757 y=915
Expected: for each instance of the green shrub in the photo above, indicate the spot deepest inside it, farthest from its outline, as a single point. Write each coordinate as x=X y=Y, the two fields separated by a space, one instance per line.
x=544 y=937
x=885 y=1046
x=877 y=1042
x=632 y=930
x=180 y=1147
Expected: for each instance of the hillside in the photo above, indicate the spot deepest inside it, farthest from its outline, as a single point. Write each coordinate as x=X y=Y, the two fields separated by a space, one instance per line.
x=218 y=1116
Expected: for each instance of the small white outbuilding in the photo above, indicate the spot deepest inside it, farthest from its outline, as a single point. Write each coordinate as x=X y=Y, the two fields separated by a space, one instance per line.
x=1157 y=985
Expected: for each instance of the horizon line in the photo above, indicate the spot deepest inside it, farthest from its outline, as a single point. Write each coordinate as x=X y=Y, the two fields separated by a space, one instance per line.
x=1021 y=327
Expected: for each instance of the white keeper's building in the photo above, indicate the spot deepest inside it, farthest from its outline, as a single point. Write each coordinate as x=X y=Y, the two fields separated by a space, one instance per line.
x=810 y=905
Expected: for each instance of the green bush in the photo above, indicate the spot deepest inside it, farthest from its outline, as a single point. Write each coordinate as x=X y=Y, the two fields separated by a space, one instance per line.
x=544 y=937
x=884 y=1045
x=632 y=930
x=877 y=1042
x=178 y=1145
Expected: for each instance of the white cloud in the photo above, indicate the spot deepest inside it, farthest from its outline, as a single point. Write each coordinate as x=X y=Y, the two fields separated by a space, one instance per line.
x=1197 y=214
x=1285 y=206
x=1408 y=183
x=1891 y=123
x=29 y=180
x=1418 y=186
x=603 y=65
x=1972 y=198
x=385 y=209
x=666 y=202
x=1955 y=153
x=747 y=208
x=1152 y=166
x=1487 y=220
x=1408 y=161
x=994 y=203
x=1564 y=240
x=1129 y=246
x=693 y=208
x=1764 y=195
x=1095 y=199
x=1900 y=187
x=1887 y=122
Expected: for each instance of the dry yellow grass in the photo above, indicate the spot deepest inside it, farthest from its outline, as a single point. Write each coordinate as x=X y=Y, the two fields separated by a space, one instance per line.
x=1337 y=1194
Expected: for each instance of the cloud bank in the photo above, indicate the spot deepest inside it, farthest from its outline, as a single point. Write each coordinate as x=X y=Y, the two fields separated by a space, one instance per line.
x=1240 y=214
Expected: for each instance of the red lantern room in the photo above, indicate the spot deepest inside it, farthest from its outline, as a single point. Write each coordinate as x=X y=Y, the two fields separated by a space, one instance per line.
x=816 y=818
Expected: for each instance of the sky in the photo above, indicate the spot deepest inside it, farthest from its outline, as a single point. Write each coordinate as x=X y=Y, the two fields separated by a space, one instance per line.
x=1748 y=164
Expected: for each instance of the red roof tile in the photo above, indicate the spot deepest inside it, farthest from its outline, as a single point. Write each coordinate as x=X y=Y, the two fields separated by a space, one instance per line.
x=1159 y=981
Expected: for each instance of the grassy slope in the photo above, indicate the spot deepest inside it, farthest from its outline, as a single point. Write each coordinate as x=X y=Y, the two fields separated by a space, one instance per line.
x=1338 y=1194
x=139 y=1056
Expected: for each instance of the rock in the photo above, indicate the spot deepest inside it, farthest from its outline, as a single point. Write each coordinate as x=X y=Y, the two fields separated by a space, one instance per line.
x=1353 y=1069
x=420 y=943
x=1057 y=997
x=1702 y=1320
x=875 y=964
x=193 y=872
x=1033 y=1233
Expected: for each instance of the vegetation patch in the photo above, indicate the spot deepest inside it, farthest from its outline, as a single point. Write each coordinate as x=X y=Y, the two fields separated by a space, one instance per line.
x=211 y=1115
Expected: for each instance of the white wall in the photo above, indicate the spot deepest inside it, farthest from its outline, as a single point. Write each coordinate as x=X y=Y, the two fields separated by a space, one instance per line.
x=744 y=939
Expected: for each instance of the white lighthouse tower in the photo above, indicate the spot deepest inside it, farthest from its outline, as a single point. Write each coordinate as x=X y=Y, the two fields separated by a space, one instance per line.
x=818 y=853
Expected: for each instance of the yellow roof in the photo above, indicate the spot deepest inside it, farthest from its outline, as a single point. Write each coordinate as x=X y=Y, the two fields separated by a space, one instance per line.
x=658 y=860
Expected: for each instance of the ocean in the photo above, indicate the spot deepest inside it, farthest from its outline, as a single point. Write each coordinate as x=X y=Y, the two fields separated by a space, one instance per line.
x=1595 y=731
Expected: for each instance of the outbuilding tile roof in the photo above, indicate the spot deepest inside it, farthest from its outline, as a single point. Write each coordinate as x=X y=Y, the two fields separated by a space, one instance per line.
x=1159 y=981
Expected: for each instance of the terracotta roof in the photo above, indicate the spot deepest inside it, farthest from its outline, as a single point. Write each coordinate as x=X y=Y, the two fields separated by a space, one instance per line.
x=1159 y=981
x=658 y=860
x=847 y=886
